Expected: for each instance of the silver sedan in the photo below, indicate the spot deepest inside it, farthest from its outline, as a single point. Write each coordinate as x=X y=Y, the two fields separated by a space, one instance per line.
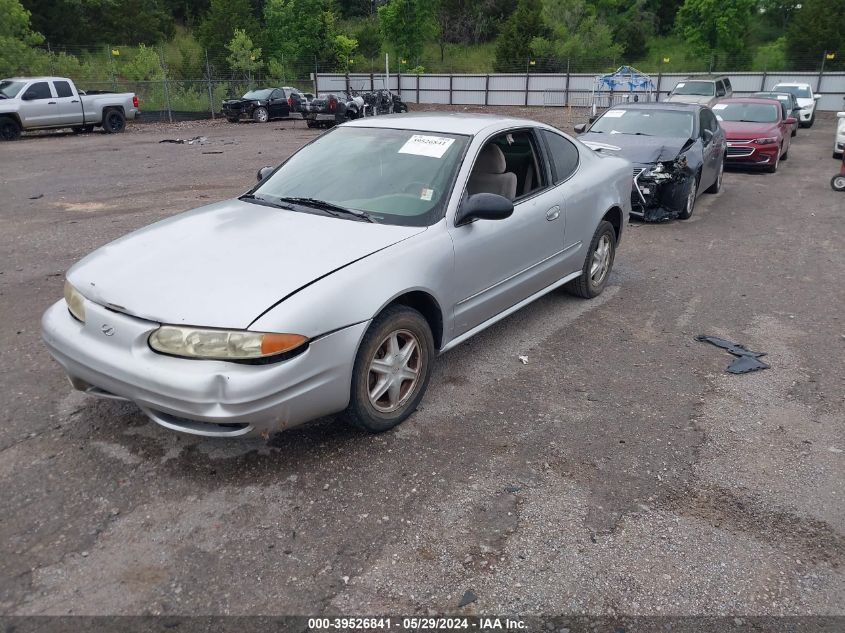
x=336 y=281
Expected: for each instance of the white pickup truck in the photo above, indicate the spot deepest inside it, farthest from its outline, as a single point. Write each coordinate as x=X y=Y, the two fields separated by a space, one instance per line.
x=38 y=103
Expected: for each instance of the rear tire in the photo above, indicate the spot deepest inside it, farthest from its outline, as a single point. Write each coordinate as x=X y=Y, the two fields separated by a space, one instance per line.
x=114 y=122
x=260 y=115
x=392 y=370
x=716 y=187
x=838 y=182
x=597 y=264
x=10 y=130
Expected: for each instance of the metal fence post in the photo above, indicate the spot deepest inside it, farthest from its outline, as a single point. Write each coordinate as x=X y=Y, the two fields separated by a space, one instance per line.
x=526 y=80
x=659 y=80
x=316 y=80
x=566 y=88
x=821 y=73
x=763 y=81
x=166 y=87
x=450 y=87
x=50 y=56
x=486 y=88
x=418 y=87
x=210 y=89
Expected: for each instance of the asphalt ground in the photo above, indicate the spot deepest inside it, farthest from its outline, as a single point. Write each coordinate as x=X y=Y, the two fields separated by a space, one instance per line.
x=619 y=471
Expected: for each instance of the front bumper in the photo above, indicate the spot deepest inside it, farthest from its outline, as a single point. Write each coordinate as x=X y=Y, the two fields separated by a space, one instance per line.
x=806 y=115
x=751 y=154
x=202 y=397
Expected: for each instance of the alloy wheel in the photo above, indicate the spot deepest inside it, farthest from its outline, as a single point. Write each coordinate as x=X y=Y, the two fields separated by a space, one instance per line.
x=394 y=371
x=601 y=260
x=691 y=198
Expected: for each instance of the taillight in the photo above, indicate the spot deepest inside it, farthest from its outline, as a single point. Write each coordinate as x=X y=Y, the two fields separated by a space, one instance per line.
x=332 y=105
x=290 y=101
x=134 y=101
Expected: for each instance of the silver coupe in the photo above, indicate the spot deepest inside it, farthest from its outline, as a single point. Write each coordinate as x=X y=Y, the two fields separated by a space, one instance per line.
x=335 y=282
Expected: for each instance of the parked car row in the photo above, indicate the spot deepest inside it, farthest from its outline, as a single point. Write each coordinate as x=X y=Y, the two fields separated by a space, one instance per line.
x=42 y=103
x=324 y=110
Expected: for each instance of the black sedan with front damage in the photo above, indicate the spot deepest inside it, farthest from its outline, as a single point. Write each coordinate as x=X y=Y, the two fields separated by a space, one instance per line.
x=678 y=151
x=263 y=104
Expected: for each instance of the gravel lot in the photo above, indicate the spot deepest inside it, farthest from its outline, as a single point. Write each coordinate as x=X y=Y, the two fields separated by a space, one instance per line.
x=620 y=471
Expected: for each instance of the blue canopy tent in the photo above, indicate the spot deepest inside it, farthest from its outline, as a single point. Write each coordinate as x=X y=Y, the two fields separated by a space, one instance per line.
x=625 y=85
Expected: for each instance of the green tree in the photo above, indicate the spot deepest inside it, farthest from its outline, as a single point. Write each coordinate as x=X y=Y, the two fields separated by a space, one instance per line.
x=16 y=38
x=300 y=32
x=513 y=46
x=369 y=39
x=344 y=47
x=244 y=57
x=145 y=65
x=818 y=26
x=718 y=28
x=407 y=25
x=215 y=30
x=578 y=36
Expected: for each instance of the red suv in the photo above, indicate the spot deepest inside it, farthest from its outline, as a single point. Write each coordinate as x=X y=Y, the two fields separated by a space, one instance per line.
x=757 y=131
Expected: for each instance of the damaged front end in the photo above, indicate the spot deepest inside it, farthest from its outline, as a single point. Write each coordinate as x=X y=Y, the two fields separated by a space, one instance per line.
x=660 y=191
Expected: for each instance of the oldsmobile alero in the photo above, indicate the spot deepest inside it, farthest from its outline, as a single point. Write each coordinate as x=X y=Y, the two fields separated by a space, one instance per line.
x=326 y=290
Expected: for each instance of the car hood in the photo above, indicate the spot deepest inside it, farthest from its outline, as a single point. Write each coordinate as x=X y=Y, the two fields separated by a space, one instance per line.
x=803 y=102
x=643 y=150
x=742 y=129
x=698 y=99
x=224 y=264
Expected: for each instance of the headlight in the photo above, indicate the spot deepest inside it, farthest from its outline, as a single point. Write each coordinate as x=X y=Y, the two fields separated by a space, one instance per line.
x=191 y=342
x=75 y=302
x=657 y=169
x=769 y=140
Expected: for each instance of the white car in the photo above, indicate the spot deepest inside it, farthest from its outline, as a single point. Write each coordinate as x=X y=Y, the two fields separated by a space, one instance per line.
x=839 y=141
x=803 y=94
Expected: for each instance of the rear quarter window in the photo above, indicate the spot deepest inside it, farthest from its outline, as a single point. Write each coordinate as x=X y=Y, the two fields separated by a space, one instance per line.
x=563 y=154
x=62 y=89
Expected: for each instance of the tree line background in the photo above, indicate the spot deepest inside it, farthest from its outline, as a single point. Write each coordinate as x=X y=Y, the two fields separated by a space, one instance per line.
x=189 y=39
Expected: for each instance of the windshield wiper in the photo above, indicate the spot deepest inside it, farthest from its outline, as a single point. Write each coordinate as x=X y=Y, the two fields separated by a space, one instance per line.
x=251 y=197
x=334 y=209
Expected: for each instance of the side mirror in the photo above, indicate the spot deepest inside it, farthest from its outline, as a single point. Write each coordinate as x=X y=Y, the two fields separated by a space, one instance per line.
x=817 y=97
x=483 y=206
x=707 y=135
x=790 y=120
x=28 y=96
x=580 y=128
x=264 y=172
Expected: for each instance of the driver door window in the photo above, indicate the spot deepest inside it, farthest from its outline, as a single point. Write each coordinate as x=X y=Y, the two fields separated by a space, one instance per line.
x=720 y=89
x=36 y=91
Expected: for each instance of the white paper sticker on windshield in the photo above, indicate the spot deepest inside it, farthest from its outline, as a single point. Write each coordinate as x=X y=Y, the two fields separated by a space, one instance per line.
x=680 y=84
x=720 y=106
x=614 y=114
x=426 y=194
x=423 y=145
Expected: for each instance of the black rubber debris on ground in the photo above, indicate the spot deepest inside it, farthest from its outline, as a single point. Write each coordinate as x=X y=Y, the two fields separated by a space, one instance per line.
x=36 y=196
x=468 y=598
x=746 y=360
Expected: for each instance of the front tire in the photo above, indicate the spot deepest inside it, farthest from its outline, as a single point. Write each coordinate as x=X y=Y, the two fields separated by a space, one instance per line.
x=260 y=115
x=597 y=264
x=692 y=195
x=114 y=122
x=392 y=370
x=10 y=130
x=773 y=168
x=838 y=182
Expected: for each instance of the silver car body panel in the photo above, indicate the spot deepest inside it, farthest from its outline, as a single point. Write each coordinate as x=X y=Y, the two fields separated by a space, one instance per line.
x=236 y=264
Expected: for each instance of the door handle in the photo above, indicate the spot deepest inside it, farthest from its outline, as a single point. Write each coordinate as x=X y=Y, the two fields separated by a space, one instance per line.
x=553 y=213
x=75 y=101
x=51 y=103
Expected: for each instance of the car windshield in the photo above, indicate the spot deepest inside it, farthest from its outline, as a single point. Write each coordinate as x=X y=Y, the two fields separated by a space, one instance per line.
x=9 y=89
x=258 y=94
x=649 y=122
x=800 y=92
x=396 y=176
x=747 y=112
x=703 y=88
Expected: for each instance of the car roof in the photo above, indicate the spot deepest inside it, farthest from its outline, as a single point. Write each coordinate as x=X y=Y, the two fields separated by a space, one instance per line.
x=658 y=105
x=759 y=100
x=445 y=122
x=44 y=78
x=706 y=77
x=791 y=83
